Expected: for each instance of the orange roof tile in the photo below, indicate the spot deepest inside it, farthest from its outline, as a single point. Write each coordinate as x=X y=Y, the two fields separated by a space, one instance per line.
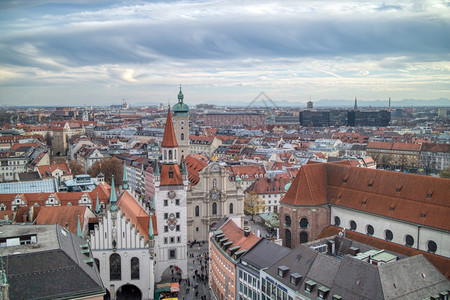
x=134 y=212
x=62 y=215
x=236 y=235
x=176 y=178
x=169 y=139
x=194 y=166
x=309 y=187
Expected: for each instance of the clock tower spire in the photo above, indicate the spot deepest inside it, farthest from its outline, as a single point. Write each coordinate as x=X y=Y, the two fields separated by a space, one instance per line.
x=181 y=124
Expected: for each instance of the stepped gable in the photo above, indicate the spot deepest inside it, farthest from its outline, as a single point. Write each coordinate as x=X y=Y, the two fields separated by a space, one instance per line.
x=408 y=197
x=165 y=176
x=440 y=262
x=309 y=187
x=169 y=139
x=135 y=213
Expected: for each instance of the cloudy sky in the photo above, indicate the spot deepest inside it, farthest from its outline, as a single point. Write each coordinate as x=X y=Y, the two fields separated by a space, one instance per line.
x=97 y=52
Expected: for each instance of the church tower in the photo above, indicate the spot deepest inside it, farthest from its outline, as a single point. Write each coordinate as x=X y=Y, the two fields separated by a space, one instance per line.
x=181 y=124
x=170 y=207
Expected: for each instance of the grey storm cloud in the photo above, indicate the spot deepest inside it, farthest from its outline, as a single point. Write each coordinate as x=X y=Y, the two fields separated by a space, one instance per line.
x=88 y=40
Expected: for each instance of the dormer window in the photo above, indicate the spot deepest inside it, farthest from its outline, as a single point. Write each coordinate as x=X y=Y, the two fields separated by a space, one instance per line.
x=295 y=278
x=309 y=286
x=170 y=172
x=322 y=292
x=282 y=270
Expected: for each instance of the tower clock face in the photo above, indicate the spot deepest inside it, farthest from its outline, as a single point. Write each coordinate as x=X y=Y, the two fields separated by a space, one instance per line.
x=182 y=122
x=171 y=195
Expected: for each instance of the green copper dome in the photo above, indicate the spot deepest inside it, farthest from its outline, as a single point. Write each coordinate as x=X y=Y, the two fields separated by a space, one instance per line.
x=287 y=186
x=180 y=109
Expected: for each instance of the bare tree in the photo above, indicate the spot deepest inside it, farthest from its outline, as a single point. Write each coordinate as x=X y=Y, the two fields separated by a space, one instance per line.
x=109 y=167
x=252 y=204
x=76 y=168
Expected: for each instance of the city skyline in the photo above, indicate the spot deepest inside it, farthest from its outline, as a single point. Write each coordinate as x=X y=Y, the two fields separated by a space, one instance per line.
x=99 y=52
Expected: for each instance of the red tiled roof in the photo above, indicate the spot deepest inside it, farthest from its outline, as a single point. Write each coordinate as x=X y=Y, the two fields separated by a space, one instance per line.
x=406 y=147
x=236 y=235
x=176 y=178
x=379 y=145
x=169 y=139
x=269 y=186
x=194 y=166
x=397 y=195
x=50 y=168
x=428 y=147
x=440 y=262
x=309 y=187
x=62 y=215
x=135 y=213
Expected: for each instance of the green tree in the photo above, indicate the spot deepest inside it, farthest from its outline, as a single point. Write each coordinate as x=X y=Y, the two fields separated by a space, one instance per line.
x=252 y=204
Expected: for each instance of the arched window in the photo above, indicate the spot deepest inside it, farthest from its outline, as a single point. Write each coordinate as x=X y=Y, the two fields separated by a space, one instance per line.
x=432 y=246
x=337 y=221
x=182 y=136
x=135 y=268
x=115 y=269
x=197 y=211
x=303 y=237
x=214 y=208
x=370 y=230
x=304 y=223
x=388 y=235
x=353 y=225
x=97 y=263
x=170 y=154
x=409 y=240
x=288 y=238
x=287 y=220
x=231 y=208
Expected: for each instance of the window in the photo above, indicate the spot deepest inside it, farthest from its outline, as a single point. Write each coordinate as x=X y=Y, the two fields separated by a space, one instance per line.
x=288 y=238
x=177 y=215
x=197 y=211
x=214 y=208
x=178 y=227
x=97 y=263
x=388 y=235
x=337 y=221
x=178 y=239
x=115 y=267
x=172 y=240
x=432 y=246
x=177 y=202
x=353 y=225
x=303 y=237
x=182 y=136
x=231 y=208
x=170 y=157
x=135 y=268
x=287 y=220
x=304 y=223
x=196 y=229
x=166 y=228
x=165 y=240
x=166 y=216
x=172 y=254
x=370 y=230
x=409 y=240
x=165 y=202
